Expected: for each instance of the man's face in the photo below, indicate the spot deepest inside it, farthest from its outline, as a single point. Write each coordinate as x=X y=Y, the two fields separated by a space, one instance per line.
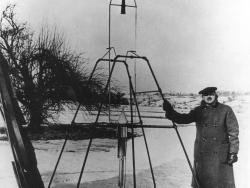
x=209 y=98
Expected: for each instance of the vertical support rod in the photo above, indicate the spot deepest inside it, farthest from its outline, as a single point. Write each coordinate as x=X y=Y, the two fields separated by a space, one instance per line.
x=109 y=97
x=135 y=41
x=133 y=142
x=144 y=136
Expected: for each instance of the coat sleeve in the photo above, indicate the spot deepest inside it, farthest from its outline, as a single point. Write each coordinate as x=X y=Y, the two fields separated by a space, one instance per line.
x=181 y=118
x=233 y=131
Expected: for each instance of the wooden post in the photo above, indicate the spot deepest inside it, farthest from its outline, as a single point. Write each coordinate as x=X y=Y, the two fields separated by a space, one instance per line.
x=24 y=165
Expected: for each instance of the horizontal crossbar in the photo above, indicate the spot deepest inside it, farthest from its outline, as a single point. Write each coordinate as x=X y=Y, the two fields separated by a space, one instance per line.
x=140 y=92
x=142 y=116
x=121 y=5
x=129 y=125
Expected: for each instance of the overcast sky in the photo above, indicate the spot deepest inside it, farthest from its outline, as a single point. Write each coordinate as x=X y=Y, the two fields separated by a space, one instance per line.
x=191 y=44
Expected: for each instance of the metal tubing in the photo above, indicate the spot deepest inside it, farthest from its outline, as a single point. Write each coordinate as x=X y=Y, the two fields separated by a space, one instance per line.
x=84 y=162
x=177 y=132
x=90 y=141
x=58 y=160
x=109 y=51
x=109 y=78
x=153 y=117
x=140 y=92
x=106 y=87
x=114 y=125
x=156 y=82
x=112 y=60
x=148 y=111
x=90 y=77
x=133 y=93
x=109 y=60
x=141 y=126
x=75 y=115
x=133 y=142
x=118 y=5
x=109 y=29
x=144 y=136
x=185 y=152
x=60 y=155
x=73 y=121
x=160 y=91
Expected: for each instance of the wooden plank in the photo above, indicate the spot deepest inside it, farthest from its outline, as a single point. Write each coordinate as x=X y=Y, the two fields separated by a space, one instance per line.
x=25 y=168
x=9 y=112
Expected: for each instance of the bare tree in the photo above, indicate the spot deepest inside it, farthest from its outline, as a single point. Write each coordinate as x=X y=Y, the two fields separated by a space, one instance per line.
x=45 y=72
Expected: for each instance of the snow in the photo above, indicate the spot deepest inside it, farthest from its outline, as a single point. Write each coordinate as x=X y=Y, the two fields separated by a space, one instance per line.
x=168 y=160
x=7 y=178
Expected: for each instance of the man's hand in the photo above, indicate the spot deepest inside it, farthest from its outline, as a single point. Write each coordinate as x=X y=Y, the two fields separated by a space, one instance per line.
x=167 y=106
x=232 y=158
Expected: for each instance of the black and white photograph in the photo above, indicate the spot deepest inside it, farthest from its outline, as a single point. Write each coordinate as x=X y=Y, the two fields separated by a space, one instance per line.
x=124 y=93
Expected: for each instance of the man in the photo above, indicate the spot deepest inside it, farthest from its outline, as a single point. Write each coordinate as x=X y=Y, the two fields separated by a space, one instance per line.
x=216 y=145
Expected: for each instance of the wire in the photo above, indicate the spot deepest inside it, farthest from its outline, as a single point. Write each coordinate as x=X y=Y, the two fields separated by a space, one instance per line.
x=135 y=42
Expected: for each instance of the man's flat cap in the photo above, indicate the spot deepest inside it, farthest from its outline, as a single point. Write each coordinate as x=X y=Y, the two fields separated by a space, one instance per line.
x=208 y=90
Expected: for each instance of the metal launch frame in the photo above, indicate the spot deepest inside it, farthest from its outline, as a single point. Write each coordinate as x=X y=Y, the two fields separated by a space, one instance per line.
x=132 y=125
x=112 y=62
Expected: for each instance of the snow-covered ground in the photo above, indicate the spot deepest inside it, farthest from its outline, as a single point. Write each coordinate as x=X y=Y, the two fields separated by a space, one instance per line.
x=169 y=163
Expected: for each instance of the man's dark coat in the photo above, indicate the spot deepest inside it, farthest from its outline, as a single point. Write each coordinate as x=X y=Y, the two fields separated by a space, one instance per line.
x=216 y=137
